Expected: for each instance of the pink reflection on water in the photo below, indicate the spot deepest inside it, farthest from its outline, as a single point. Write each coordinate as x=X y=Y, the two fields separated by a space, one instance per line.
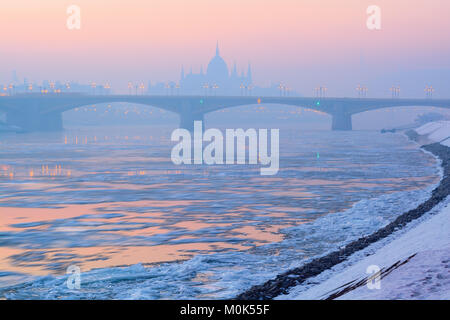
x=90 y=217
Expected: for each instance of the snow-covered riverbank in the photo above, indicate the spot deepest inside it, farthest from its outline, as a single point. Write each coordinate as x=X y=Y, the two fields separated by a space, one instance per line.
x=424 y=276
x=433 y=132
x=414 y=262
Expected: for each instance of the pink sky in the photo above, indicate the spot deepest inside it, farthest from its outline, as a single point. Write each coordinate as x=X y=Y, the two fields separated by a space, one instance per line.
x=300 y=42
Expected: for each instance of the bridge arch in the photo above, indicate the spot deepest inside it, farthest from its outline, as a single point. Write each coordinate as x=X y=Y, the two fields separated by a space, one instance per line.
x=45 y=113
x=266 y=115
x=390 y=117
x=118 y=113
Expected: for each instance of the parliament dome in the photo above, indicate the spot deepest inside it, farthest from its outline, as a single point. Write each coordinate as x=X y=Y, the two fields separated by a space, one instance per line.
x=217 y=68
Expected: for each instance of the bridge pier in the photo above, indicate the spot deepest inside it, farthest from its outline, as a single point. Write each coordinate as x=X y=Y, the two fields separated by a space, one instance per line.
x=187 y=120
x=33 y=120
x=341 y=122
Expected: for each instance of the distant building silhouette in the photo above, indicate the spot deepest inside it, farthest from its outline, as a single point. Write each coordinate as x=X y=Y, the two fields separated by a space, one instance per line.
x=217 y=80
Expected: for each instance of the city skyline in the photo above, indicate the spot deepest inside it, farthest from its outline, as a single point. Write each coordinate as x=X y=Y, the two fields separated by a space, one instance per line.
x=285 y=41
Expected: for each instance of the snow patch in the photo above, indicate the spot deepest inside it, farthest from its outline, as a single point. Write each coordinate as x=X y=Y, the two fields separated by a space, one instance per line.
x=438 y=131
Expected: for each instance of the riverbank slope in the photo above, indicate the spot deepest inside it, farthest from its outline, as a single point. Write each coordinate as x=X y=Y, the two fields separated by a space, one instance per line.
x=293 y=283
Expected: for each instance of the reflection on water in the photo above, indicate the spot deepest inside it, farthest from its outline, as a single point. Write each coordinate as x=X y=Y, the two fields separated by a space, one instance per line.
x=96 y=198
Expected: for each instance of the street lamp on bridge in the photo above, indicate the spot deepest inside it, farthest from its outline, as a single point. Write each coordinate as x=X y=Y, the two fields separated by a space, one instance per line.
x=250 y=88
x=281 y=88
x=321 y=91
x=395 y=92
x=215 y=87
x=130 y=87
x=93 y=86
x=107 y=87
x=167 y=87
x=206 y=86
x=362 y=91
x=429 y=92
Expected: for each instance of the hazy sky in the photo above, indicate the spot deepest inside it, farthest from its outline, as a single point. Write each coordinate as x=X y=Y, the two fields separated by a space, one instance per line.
x=300 y=42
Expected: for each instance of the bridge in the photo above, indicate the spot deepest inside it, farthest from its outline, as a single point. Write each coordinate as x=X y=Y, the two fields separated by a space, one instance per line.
x=43 y=112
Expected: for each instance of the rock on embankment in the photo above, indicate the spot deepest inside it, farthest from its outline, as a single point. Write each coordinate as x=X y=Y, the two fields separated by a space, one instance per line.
x=294 y=277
